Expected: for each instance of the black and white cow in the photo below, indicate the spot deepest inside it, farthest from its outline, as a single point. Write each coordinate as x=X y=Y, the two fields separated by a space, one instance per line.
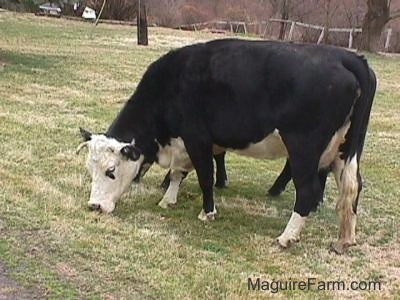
x=260 y=98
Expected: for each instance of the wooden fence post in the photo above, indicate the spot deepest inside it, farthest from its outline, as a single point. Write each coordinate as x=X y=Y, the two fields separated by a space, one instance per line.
x=351 y=38
x=291 y=31
x=321 y=36
x=245 y=28
x=388 y=36
x=265 y=30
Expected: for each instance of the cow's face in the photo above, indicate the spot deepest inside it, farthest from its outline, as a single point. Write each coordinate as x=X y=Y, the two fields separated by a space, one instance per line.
x=112 y=166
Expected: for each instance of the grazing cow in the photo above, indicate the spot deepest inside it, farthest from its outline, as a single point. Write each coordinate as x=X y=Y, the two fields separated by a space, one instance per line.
x=265 y=99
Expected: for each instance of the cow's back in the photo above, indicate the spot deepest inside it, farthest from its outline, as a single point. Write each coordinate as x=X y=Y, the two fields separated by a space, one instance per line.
x=240 y=90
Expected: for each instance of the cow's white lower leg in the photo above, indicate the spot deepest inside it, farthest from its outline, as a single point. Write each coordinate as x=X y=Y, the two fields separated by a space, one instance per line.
x=291 y=234
x=207 y=217
x=171 y=195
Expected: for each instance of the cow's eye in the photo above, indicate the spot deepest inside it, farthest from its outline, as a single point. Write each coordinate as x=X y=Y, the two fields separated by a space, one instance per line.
x=110 y=172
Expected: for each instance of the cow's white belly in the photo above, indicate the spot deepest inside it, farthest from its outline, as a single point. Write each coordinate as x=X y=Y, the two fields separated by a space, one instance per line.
x=174 y=155
x=271 y=147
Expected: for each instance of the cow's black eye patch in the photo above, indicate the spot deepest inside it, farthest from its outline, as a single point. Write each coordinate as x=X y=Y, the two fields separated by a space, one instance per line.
x=110 y=173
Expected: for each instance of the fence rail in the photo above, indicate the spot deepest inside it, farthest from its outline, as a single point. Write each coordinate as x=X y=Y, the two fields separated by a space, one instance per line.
x=236 y=26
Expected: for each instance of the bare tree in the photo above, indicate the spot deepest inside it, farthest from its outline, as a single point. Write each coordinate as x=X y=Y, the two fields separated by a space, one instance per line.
x=331 y=12
x=284 y=16
x=327 y=20
x=377 y=16
x=142 y=23
x=353 y=13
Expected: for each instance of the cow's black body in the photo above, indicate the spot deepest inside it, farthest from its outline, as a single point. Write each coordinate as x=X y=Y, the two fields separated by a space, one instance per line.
x=232 y=93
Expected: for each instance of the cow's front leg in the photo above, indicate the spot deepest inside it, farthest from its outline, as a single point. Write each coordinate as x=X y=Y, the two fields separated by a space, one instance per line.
x=165 y=184
x=171 y=195
x=201 y=156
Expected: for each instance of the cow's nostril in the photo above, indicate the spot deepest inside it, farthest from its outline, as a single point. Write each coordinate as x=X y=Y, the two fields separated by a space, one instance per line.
x=94 y=207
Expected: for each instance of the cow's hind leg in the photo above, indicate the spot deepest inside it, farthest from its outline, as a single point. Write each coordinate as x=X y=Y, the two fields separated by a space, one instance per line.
x=348 y=179
x=304 y=165
x=308 y=194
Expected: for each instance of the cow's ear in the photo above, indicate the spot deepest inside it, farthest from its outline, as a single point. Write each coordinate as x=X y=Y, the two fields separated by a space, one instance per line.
x=86 y=135
x=130 y=152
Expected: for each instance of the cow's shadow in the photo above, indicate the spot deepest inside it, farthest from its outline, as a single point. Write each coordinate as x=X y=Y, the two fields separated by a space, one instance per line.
x=243 y=211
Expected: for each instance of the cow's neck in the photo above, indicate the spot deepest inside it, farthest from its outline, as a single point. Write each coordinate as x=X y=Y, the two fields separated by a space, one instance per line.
x=139 y=121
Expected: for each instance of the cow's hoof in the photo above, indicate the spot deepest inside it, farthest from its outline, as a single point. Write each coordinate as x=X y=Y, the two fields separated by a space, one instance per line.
x=207 y=217
x=341 y=247
x=164 y=185
x=106 y=208
x=275 y=192
x=94 y=207
x=221 y=184
x=166 y=204
x=285 y=242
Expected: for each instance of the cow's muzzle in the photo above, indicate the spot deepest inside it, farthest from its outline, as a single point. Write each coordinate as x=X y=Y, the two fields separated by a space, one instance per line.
x=94 y=207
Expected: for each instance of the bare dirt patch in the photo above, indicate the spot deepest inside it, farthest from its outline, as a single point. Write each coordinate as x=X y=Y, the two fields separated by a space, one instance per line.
x=9 y=289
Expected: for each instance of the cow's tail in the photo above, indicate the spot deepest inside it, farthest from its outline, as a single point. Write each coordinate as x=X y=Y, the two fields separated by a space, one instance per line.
x=346 y=167
x=362 y=107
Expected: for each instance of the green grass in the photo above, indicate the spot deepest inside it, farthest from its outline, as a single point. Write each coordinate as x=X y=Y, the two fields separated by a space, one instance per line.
x=57 y=75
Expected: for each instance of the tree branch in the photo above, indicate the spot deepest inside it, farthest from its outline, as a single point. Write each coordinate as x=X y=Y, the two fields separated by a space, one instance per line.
x=101 y=11
x=394 y=15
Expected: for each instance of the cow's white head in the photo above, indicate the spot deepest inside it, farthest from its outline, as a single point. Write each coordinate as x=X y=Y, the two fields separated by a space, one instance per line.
x=112 y=165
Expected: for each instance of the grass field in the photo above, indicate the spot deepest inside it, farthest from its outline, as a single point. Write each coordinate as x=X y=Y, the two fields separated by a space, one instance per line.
x=57 y=75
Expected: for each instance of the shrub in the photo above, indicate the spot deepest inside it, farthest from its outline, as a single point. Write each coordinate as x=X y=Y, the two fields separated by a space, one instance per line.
x=30 y=5
x=191 y=14
x=116 y=9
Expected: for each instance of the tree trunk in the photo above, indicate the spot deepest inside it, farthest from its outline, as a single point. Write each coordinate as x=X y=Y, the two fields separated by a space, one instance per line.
x=142 y=23
x=327 y=21
x=375 y=19
x=285 y=16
